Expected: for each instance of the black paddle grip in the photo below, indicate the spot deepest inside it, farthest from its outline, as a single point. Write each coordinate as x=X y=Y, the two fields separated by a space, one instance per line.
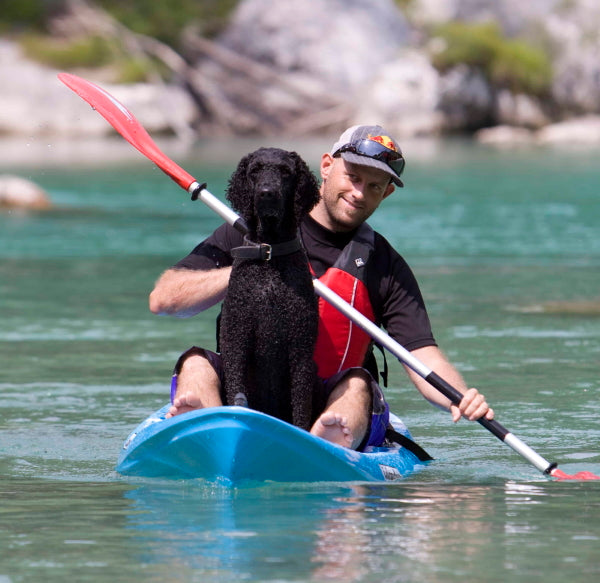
x=197 y=191
x=456 y=396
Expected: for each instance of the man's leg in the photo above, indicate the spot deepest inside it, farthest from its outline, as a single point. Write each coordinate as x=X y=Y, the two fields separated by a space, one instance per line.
x=198 y=384
x=345 y=420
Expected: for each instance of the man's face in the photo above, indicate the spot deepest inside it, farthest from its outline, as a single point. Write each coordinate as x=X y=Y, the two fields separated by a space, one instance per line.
x=350 y=193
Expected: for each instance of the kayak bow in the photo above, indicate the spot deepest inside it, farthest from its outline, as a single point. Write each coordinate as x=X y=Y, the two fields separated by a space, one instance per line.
x=236 y=445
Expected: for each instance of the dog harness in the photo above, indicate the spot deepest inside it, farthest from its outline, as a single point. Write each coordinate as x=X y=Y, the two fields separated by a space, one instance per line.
x=340 y=343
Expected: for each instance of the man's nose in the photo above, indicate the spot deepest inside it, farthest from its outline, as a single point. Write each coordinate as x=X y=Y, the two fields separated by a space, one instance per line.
x=358 y=190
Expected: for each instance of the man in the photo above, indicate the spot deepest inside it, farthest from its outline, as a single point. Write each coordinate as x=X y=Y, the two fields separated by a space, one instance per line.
x=361 y=170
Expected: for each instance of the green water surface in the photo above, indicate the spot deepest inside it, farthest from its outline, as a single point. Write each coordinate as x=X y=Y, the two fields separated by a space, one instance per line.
x=506 y=247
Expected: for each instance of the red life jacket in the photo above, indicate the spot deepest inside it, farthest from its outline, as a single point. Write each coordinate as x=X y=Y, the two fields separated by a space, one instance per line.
x=341 y=344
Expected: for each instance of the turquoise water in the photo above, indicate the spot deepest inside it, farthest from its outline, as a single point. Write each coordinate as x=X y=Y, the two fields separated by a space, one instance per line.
x=506 y=246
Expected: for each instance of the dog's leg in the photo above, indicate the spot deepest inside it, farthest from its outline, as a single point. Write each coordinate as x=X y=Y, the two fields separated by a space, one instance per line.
x=303 y=386
x=272 y=375
x=237 y=348
x=303 y=372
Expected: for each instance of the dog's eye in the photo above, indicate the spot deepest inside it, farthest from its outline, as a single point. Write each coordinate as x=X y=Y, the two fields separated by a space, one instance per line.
x=253 y=171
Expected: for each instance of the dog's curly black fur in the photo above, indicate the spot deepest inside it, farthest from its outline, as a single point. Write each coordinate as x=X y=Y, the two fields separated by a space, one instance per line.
x=270 y=317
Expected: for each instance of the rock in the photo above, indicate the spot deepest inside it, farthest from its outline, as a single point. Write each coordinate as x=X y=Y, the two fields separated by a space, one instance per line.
x=466 y=99
x=581 y=130
x=426 y=13
x=575 y=43
x=520 y=110
x=308 y=65
x=17 y=192
x=341 y=41
x=515 y=17
x=568 y=31
x=403 y=96
x=505 y=135
x=560 y=308
x=34 y=102
x=319 y=65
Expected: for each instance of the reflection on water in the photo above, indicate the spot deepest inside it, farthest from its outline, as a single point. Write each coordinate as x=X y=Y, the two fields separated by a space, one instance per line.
x=191 y=531
x=411 y=532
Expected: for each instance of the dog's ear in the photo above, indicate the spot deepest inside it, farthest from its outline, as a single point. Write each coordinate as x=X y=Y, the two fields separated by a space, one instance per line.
x=237 y=184
x=237 y=190
x=307 y=190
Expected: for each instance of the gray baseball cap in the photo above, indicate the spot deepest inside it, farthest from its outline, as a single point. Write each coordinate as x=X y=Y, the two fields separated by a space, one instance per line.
x=371 y=146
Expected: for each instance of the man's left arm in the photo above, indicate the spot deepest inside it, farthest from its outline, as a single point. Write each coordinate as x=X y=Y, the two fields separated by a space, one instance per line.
x=473 y=405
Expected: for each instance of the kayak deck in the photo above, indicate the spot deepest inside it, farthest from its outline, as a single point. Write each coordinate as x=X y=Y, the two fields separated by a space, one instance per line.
x=235 y=444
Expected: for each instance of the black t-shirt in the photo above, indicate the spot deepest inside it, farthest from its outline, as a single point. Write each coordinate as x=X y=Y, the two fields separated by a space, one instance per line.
x=395 y=296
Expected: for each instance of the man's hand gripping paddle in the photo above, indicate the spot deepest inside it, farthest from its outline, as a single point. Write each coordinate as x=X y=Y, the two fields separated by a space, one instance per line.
x=127 y=125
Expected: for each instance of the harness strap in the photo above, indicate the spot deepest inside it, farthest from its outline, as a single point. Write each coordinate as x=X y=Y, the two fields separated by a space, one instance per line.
x=265 y=251
x=392 y=435
x=385 y=372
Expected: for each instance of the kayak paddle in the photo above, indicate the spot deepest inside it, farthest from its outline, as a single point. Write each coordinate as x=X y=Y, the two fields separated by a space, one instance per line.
x=122 y=120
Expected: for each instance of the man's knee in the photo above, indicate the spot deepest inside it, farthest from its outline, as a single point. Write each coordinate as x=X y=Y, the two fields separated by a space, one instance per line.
x=197 y=367
x=355 y=383
x=195 y=363
x=197 y=379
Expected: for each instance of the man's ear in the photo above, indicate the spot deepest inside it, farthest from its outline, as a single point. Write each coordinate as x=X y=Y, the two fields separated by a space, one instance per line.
x=390 y=188
x=326 y=164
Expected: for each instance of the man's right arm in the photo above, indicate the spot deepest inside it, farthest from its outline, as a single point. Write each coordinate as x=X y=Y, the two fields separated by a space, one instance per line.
x=187 y=292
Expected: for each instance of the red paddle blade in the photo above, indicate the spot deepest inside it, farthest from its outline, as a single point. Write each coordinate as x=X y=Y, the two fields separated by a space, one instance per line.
x=120 y=118
x=556 y=473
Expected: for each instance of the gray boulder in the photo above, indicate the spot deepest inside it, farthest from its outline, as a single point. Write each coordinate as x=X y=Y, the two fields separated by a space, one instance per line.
x=340 y=42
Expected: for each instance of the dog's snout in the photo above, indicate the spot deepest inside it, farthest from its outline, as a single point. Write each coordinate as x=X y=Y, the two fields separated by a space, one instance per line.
x=268 y=193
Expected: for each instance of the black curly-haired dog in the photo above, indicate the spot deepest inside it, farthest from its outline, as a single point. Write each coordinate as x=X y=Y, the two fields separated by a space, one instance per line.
x=270 y=317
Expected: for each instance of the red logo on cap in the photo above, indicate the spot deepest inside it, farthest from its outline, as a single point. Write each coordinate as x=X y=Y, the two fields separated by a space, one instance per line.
x=385 y=141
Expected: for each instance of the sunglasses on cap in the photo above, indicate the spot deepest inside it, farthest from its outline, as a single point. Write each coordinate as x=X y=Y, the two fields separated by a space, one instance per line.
x=375 y=150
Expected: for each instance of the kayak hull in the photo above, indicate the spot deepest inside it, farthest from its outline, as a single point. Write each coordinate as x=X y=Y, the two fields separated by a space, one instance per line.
x=235 y=445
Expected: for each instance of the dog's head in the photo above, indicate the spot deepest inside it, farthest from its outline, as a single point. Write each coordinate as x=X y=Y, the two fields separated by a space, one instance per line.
x=273 y=189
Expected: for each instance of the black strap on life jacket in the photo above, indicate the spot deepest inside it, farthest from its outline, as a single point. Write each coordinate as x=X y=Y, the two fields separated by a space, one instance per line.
x=395 y=437
x=385 y=372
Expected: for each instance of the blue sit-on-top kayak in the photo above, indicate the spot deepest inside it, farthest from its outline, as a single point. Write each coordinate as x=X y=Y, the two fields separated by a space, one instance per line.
x=233 y=445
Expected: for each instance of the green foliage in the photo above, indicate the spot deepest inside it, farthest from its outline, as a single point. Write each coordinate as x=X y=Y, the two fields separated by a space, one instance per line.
x=131 y=70
x=165 y=19
x=509 y=63
x=137 y=70
x=83 y=52
x=522 y=68
x=404 y=4
x=162 y=19
x=90 y=52
x=27 y=14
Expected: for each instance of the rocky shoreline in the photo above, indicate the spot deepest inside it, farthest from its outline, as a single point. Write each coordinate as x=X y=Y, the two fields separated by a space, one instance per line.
x=276 y=70
x=34 y=103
